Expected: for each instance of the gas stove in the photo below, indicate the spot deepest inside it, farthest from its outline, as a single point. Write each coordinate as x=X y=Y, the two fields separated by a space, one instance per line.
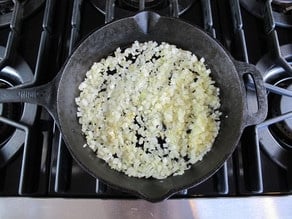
x=36 y=38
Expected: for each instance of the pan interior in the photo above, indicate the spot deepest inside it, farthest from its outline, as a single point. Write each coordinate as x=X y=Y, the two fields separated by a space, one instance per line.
x=143 y=27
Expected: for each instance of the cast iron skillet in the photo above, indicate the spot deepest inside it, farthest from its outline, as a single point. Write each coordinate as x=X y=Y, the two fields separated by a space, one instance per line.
x=58 y=96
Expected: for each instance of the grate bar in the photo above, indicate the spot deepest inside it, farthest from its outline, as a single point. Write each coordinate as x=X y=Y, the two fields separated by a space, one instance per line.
x=45 y=42
x=174 y=8
x=269 y=22
x=64 y=159
x=109 y=10
x=141 y=5
x=48 y=15
x=221 y=176
x=75 y=24
x=271 y=122
x=278 y=90
x=271 y=32
x=252 y=171
x=208 y=18
x=12 y=41
x=238 y=27
x=253 y=179
x=30 y=166
x=100 y=187
x=25 y=173
x=7 y=154
x=221 y=180
x=63 y=167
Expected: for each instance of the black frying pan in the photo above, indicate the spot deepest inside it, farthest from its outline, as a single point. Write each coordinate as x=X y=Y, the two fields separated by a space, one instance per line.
x=58 y=97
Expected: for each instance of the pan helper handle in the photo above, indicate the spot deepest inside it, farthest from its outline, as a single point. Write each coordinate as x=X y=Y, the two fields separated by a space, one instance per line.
x=261 y=93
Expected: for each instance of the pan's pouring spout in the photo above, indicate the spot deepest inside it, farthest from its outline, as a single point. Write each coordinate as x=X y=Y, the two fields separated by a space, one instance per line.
x=146 y=21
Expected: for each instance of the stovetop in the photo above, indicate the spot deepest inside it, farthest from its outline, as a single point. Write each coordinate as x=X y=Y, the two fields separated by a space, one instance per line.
x=34 y=160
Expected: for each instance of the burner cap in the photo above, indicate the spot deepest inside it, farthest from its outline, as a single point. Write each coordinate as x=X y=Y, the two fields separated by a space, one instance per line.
x=276 y=140
x=281 y=10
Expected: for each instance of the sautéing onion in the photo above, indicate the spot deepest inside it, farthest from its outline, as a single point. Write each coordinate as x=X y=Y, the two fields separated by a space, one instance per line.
x=151 y=110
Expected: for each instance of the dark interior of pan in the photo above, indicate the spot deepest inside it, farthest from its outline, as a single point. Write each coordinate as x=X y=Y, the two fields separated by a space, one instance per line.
x=147 y=26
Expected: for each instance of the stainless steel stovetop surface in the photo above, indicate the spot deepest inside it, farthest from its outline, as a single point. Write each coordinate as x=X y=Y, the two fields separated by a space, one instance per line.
x=200 y=208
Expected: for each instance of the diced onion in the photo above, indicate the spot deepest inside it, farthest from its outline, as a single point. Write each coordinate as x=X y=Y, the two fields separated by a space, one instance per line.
x=151 y=110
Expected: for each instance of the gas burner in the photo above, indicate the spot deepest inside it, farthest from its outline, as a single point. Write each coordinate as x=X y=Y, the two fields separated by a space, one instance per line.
x=282 y=10
x=11 y=111
x=282 y=6
x=279 y=105
x=276 y=139
x=12 y=139
x=7 y=6
x=130 y=6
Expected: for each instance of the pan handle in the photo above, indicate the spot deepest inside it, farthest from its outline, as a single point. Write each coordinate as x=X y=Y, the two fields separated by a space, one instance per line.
x=261 y=93
x=44 y=95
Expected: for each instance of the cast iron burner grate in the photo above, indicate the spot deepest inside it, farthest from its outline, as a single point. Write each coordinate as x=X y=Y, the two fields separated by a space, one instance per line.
x=7 y=6
x=11 y=139
x=282 y=10
x=276 y=138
